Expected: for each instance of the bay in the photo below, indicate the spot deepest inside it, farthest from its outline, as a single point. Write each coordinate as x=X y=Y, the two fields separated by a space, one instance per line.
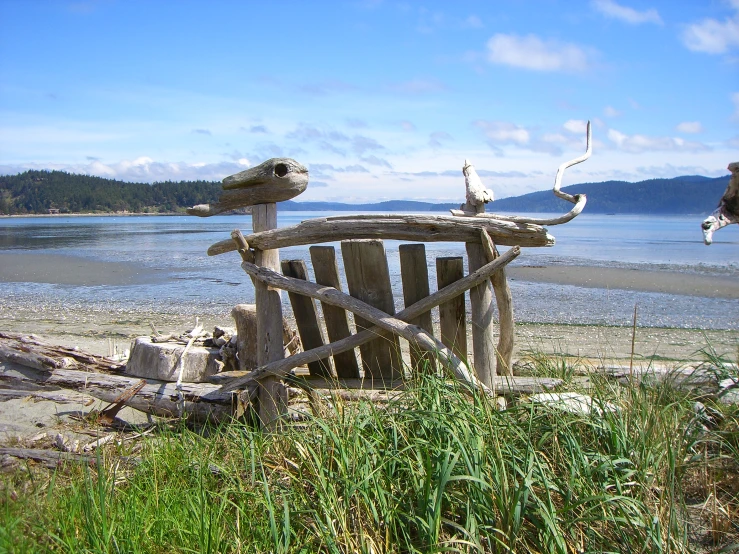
x=161 y=264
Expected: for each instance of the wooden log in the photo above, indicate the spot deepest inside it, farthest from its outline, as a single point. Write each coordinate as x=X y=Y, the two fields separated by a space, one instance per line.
x=368 y=279
x=306 y=317
x=365 y=384
x=452 y=317
x=419 y=228
x=326 y=271
x=374 y=315
x=245 y=317
x=57 y=396
x=272 y=181
x=482 y=320
x=581 y=200
x=282 y=367
x=272 y=394
x=504 y=301
x=415 y=277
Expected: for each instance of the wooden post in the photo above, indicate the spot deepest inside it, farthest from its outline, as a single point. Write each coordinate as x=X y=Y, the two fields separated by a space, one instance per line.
x=272 y=393
x=368 y=279
x=483 y=310
x=415 y=276
x=452 y=319
x=326 y=271
x=306 y=318
x=245 y=316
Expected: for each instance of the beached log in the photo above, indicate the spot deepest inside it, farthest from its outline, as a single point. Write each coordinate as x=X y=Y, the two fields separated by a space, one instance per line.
x=452 y=316
x=57 y=396
x=326 y=271
x=272 y=181
x=306 y=317
x=415 y=276
x=368 y=279
x=272 y=394
x=31 y=352
x=418 y=228
x=481 y=319
x=504 y=301
x=282 y=367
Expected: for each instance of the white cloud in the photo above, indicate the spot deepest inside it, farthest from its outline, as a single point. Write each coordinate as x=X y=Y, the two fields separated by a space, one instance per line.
x=712 y=36
x=610 y=111
x=611 y=9
x=690 y=127
x=575 y=125
x=531 y=52
x=637 y=144
x=503 y=132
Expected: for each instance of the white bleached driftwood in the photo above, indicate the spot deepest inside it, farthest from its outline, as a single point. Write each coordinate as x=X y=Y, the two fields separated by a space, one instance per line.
x=275 y=180
x=456 y=288
x=419 y=228
x=727 y=211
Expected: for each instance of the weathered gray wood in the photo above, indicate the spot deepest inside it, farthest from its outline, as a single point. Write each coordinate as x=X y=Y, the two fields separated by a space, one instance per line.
x=326 y=271
x=482 y=320
x=282 y=367
x=323 y=383
x=569 y=216
x=452 y=320
x=272 y=393
x=415 y=276
x=272 y=181
x=420 y=228
x=368 y=279
x=245 y=316
x=411 y=333
x=58 y=396
x=306 y=318
x=504 y=301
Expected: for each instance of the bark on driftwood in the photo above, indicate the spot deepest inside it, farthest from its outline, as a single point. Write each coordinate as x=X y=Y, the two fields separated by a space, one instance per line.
x=419 y=228
x=456 y=288
x=275 y=180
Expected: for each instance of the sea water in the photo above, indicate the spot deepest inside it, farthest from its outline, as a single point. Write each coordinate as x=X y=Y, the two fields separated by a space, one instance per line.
x=177 y=274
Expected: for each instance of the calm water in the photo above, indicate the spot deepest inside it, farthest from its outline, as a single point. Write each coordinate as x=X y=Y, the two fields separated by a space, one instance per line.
x=179 y=276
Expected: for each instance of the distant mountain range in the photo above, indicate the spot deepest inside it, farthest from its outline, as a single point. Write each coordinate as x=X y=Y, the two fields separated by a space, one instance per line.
x=38 y=192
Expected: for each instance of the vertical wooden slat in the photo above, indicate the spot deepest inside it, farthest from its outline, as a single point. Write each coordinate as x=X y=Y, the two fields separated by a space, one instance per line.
x=483 y=310
x=245 y=316
x=452 y=320
x=415 y=277
x=270 y=347
x=326 y=271
x=306 y=318
x=368 y=278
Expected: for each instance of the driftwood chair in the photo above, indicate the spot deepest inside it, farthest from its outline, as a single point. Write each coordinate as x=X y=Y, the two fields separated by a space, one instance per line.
x=330 y=354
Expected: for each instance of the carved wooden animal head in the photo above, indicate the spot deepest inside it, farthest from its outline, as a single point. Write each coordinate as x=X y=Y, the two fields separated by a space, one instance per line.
x=275 y=180
x=728 y=207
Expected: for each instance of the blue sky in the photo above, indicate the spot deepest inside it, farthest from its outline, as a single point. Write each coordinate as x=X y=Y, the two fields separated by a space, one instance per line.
x=379 y=99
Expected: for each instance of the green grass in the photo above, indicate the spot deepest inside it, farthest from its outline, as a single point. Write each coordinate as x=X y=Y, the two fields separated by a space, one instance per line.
x=434 y=471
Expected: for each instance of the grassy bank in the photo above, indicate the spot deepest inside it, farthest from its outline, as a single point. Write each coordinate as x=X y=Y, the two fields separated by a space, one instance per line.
x=434 y=470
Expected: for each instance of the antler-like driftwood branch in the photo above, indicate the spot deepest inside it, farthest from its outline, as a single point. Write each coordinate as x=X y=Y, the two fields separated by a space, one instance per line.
x=578 y=199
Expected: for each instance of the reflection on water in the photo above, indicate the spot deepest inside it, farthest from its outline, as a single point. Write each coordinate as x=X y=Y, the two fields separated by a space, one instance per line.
x=177 y=246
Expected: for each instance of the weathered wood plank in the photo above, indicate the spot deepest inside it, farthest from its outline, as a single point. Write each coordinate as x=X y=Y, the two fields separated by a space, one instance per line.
x=245 y=316
x=337 y=323
x=452 y=317
x=419 y=228
x=482 y=320
x=282 y=367
x=306 y=318
x=504 y=301
x=272 y=394
x=415 y=277
x=368 y=280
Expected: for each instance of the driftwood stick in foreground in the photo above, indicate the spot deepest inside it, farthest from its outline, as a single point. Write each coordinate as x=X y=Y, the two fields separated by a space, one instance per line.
x=282 y=367
x=419 y=228
x=504 y=300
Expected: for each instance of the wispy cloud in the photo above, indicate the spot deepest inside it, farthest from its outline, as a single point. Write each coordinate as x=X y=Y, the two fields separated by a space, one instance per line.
x=712 y=36
x=637 y=143
x=690 y=127
x=436 y=137
x=613 y=10
x=503 y=132
x=417 y=86
x=473 y=22
x=610 y=111
x=202 y=132
x=533 y=53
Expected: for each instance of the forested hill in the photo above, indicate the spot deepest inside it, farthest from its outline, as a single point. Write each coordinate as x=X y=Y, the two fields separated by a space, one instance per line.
x=36 y=192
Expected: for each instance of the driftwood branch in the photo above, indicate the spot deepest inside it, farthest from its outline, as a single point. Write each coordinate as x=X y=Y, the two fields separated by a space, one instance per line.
x=561 y=169
x=456 y=288
x=329 y=295
x=275 y=180
x=419 y=228
x=504 y=301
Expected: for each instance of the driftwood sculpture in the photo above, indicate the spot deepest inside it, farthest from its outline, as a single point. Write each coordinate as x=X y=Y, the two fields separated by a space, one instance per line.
x=727 y=211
